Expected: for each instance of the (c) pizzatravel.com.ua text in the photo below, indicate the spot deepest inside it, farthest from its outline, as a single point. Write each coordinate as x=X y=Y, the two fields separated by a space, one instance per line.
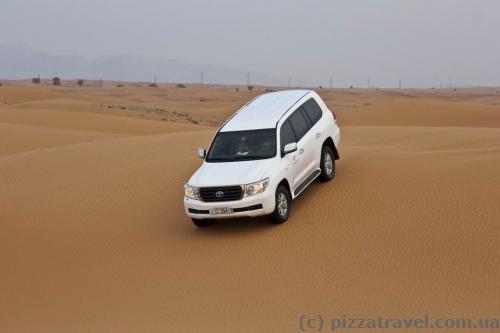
x=322 y=323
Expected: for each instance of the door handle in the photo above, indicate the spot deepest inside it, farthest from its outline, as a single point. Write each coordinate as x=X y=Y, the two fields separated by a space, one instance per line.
x=318 y=135
x=301 y=150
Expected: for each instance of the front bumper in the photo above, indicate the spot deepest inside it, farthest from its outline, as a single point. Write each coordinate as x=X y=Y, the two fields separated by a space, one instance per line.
x=256 y=205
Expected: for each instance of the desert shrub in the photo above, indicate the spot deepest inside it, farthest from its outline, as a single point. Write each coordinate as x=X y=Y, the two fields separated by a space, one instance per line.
x=80 y=82
x=236 y=89
x=250 y=88
x=119 y=85
x=181 y=85
x=153 y=85
x=36 y=80
x=0 y=84
x=56 y=81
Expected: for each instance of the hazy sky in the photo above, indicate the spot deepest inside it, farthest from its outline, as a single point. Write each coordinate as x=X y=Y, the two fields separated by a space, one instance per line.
x=421 y=42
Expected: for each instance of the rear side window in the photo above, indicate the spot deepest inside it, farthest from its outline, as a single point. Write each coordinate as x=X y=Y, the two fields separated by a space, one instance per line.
x=303 y=111
x=299 y=124
x=313 y=110
x=286 y=135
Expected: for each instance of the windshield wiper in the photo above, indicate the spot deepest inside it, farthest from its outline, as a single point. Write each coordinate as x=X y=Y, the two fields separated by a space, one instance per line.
x=235 y=159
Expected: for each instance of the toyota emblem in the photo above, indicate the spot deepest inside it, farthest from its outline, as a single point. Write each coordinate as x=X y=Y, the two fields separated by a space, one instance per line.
x=219 y=194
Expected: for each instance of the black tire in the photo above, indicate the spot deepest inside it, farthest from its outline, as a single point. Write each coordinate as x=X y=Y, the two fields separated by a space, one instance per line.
x=327 y=169
x=281 y=212
x=202 y=223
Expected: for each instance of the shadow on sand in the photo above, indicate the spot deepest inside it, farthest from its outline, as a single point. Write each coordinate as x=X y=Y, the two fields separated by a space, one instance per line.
x=238 y=225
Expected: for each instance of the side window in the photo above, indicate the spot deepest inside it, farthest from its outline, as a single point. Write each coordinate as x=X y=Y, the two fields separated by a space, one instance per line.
x=306 y=117
x=299 y=124
x=313 y=110
x=286 y=134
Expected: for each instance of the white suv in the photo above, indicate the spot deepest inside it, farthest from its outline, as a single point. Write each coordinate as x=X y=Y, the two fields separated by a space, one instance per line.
x=263 y=157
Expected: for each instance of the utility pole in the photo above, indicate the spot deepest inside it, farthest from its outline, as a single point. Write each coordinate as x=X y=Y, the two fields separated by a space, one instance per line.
x=331 y=82
x=248 y=79
x=201 y=78
x=155 y=79
x=289 y=82
x=100 y=83
x=400 y=84
x=369 y=83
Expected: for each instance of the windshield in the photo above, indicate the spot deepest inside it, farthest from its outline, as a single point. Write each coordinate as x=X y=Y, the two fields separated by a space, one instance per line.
x=243 y=146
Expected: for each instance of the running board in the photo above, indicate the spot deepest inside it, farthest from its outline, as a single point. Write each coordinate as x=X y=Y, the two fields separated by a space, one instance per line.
x=306 y=182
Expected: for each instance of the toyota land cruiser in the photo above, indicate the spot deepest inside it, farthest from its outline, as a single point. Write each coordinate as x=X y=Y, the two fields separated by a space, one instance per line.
x=263 y=157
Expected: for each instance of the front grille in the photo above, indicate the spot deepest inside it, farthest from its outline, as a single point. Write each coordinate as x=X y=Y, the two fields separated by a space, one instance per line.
x=226 y=193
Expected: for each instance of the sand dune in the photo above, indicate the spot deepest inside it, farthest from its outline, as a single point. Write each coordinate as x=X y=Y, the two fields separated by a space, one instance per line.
x=91 y=122
x=423 y=113
x=94 y=238
x=20 y=138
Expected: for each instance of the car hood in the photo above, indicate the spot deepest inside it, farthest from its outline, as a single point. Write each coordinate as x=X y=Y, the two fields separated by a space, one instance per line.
x=231 y=173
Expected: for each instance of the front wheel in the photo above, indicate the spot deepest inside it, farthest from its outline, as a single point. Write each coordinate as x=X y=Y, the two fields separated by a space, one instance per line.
x=282 y=207
x=327 y=164
x=202 y=223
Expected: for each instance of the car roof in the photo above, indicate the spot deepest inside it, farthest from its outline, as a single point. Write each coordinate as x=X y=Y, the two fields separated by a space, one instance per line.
x=264 y=111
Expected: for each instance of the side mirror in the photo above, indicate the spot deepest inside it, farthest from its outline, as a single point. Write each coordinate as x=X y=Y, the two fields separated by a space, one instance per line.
x=290 y=148
x=201 y=153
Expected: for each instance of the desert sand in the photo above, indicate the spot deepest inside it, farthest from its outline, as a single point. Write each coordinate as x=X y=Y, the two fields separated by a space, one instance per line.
x=94 y=237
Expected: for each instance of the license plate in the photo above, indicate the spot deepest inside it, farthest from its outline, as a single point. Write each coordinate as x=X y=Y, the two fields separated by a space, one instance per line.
x=221 y=211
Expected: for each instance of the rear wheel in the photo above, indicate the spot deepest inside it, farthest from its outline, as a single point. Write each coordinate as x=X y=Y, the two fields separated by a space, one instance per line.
x=202 y=223
x=282 y=207
x=327 y=164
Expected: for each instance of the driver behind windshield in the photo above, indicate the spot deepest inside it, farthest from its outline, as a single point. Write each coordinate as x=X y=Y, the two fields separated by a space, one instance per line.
x=242 y=148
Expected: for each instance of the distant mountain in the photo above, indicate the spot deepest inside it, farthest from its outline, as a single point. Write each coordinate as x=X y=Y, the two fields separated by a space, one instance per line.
x=18 y=62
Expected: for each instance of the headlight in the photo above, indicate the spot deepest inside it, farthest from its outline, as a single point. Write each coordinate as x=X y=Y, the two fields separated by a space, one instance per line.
x=256 y=188
x=191 y=192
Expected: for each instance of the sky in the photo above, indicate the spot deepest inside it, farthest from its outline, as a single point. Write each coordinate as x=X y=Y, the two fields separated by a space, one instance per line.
x=424 y=43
